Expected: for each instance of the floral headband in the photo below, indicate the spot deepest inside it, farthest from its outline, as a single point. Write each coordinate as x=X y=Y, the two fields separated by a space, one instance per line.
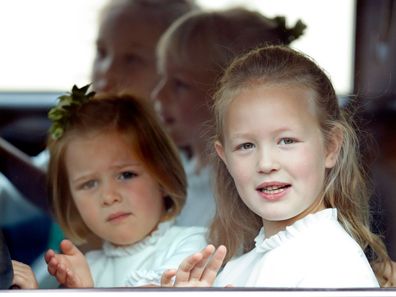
x=61 y=113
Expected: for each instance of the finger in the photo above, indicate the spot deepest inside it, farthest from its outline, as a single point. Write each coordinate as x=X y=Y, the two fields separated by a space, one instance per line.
x=25 y=281
x=68 y=248
x=52 y=266
x=16 y=266
x=23 y=276
x=184 y=271
x=61 y=274
x=21 y=268
x=166 y=278
x=49 y=255
x=214 y=265
x=20 y=281
x=70 y=280
x=196 y=272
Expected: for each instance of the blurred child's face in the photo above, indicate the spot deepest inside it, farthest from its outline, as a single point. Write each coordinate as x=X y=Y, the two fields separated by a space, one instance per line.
x=182 y=99
x=116 y=196
x=275 y=152
x=125 y=55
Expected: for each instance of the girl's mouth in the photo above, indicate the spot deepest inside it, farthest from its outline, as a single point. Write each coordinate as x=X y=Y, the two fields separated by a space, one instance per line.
x=274 y=189
x=117 y=216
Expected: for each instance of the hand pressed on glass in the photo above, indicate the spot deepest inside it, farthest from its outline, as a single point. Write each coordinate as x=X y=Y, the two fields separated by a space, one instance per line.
x=198 y=270
x=70 y=268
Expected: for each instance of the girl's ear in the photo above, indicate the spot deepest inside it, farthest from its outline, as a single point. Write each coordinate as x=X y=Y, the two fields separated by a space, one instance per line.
x=334 y=147
x=220 y=151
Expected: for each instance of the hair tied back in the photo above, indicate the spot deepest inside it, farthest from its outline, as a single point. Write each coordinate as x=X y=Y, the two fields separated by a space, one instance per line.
x=289 y=34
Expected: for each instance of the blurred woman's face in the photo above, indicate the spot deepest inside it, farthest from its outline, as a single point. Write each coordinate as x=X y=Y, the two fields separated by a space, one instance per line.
x=125 y=54
x=182 y=97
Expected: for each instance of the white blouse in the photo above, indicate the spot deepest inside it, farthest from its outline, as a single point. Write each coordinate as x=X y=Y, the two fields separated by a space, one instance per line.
x=314 y=252
x=144 y=262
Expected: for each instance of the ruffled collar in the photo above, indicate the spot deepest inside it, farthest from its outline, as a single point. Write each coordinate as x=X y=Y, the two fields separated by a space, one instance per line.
x=116 y=251
x=266 y=244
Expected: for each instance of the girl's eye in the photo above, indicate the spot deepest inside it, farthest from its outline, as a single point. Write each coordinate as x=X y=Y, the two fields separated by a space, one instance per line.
x=127 y=175
x=89 y=185
x=132 y=59
x=100 y=52
x=181 y=85
x=245 y=146
x=287 y=141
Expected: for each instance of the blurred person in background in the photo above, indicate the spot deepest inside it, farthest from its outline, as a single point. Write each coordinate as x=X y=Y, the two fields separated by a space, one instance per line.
x=192 y=55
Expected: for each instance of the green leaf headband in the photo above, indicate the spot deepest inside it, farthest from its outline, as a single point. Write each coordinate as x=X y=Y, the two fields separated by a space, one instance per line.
x=67 y=105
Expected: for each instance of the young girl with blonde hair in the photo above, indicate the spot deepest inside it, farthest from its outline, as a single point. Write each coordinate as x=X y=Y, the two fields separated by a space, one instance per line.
x=114 y=172
x=291 y=192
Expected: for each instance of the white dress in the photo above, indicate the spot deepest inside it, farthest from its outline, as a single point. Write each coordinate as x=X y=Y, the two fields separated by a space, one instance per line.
x=144 y=262
x=314 y=252
x=200 y=206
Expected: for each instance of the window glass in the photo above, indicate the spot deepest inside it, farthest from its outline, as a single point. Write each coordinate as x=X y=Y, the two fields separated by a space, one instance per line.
x=48 y=45
x=329 y=37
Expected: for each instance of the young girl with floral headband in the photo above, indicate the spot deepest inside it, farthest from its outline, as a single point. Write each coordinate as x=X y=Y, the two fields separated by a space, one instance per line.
x=291 y=191
x=114 y=172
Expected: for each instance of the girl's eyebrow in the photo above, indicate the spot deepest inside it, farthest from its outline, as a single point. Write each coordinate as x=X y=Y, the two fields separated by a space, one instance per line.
x=81 y=178
x=87 y=175
x=123 y=165
x=239 y=135
x=249 y=133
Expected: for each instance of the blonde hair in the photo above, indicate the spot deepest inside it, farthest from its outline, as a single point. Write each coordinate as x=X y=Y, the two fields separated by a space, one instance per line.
x=345 y=184
x=158 y=12
x=221 y=35
x=134 y=120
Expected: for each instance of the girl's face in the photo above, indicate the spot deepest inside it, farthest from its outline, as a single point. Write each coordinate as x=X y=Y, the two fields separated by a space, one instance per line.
x=114 y=193
x=275 y=152
x=125 y=55
x=182 y=97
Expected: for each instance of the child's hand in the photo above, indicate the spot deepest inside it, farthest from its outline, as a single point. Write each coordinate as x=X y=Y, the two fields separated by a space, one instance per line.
x=23 y=276
x=70 y=268
x=198 y=270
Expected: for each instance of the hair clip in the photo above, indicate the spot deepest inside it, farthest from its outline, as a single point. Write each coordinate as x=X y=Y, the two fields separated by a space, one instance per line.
x=67 y=105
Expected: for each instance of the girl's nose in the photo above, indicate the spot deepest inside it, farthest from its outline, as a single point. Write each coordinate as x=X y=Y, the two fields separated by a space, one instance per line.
x=267 y=161
x=110 y=194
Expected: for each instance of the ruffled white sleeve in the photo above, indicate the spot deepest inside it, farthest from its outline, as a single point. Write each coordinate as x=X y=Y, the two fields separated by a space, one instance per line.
x=171 y=249
x=143 y=278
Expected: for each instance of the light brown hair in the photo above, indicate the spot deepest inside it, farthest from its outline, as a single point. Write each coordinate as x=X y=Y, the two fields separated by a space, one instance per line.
x=158 y=12
x=221 y=35
x=345 y=185
x=136 y=121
